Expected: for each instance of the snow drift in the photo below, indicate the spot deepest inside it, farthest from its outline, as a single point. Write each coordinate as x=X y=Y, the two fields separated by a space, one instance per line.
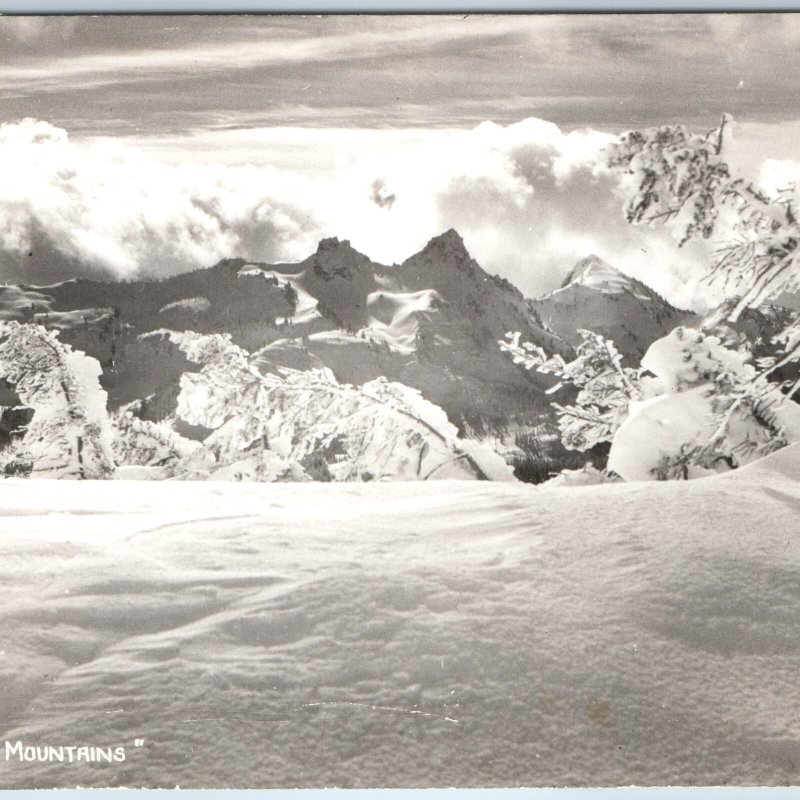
x=699 y=396
x=414 y=635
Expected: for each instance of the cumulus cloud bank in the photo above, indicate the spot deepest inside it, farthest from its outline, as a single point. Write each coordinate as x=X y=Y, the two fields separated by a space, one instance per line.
x=110 y=209
x=528 y=199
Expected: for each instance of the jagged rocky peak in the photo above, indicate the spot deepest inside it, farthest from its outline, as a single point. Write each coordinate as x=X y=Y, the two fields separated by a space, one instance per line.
x=333 y=243
x=447 y=244
x=337 y=257
x=444 y=254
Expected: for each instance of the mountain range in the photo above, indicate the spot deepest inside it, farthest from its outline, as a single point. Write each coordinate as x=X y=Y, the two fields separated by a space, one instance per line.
x=431 y=323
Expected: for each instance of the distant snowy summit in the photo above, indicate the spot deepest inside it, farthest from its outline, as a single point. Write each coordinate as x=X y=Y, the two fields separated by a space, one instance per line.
x=595 y=273
x=598 y=297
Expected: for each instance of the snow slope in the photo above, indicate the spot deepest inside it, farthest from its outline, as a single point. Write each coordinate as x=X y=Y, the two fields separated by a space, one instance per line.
x=195 y=304
x=16 y=300
x=407 y=634
x=393 y=317
x=306 y=308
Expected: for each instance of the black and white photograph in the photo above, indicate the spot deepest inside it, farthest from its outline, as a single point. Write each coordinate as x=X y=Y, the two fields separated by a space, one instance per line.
x=399 y=401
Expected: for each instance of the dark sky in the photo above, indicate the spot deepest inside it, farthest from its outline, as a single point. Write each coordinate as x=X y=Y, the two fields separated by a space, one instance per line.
x=170 y=74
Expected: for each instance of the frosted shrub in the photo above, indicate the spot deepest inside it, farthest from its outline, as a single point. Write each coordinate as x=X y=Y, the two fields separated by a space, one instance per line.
x=605 y=387
x=694 y=407
x=69 y=435
x=682 y=180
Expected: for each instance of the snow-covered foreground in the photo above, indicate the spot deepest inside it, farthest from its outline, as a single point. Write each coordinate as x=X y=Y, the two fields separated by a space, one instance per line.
x=434 y=634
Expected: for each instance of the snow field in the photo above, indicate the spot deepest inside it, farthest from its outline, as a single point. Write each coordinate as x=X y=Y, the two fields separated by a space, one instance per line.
x=604 y=278
x=456 y=633
x=14 y=299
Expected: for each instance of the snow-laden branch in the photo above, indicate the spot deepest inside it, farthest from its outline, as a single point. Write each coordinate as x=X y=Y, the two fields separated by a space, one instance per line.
x=69 y=434
x=605 y=386
x=682 y=180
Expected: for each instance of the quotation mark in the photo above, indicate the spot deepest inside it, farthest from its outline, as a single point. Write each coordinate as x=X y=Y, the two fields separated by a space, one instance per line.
x=138 y=742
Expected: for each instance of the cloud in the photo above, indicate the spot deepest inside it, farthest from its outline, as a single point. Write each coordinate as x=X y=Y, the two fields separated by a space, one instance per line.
x=381 y=196
x=111 y=210
x=528 y=199
x=162 y=75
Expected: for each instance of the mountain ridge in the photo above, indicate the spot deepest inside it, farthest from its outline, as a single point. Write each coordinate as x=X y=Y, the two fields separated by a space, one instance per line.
x=431 y=322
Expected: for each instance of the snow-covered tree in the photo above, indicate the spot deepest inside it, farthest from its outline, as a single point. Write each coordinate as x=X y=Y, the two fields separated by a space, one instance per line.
x=284 y=424
x=605 y=387
x=140 y=442
x=693 y=407
x=703 y=408
x=708 y=406
x=684 y=180
x=69 y=435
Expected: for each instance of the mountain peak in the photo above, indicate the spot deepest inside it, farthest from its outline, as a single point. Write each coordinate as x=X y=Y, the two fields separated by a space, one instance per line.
x=590 y=270
x=333 y=243
x=594 y=273
x=447 y=243
x=598 y=297
x=338 y=258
